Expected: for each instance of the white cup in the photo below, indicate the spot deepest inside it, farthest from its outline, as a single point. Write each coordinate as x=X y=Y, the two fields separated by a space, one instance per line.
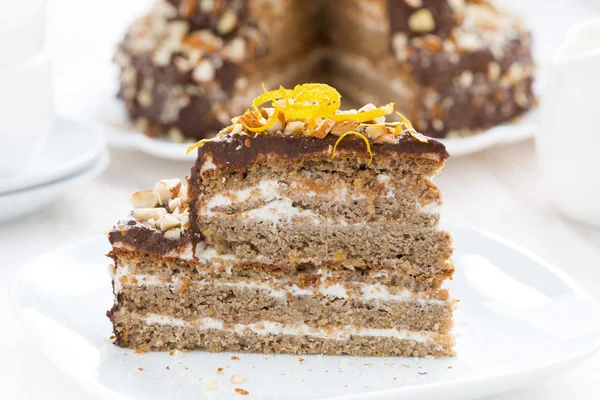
x=568 y=141
x=26 y=93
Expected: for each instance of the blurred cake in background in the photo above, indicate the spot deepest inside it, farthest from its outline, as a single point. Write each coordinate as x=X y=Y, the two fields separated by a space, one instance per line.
x=454 y=67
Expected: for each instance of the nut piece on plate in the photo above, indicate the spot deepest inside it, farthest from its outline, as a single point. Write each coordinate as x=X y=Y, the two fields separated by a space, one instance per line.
x=144 y=199
x=167 y=189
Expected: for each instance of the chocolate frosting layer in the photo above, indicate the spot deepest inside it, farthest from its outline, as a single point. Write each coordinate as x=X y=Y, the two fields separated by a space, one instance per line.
x=241 y=150
x=145 y=238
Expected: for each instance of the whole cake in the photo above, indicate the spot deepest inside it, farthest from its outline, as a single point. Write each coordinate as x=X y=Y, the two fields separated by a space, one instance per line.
x=302 y=229
x=454 y=67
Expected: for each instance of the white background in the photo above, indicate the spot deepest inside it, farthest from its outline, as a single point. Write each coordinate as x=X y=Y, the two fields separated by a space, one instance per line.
x=497 y=190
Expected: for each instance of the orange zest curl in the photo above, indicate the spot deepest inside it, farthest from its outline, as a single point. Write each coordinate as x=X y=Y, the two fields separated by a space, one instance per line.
x=360 y=135
x=270 y=122
x=406 y=125
x=196 y=145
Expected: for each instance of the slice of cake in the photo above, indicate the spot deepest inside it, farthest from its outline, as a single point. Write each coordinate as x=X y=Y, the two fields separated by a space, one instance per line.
x=302 y=229
x=455 y=66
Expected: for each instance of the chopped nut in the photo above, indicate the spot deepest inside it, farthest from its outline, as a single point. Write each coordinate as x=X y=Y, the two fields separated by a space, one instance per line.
x=457 y=5
x=176 y=30
x=227 y=22
x=466 y=79
x=144 y=97
x=144 y=199
x=185 y=220
x=414 y=3
x=175 y=203
x=128 y=75
x=237 y=378
x=235 y=50
x=237 y=128
x=187 y=8
x=521 y=99
x=399 y=43
x=204 y=72
x=323 y=128
x=173 y=234
x=433 y=43
x=203 y=40
x=388 y=138
x=367 y=107
x=176 y=135
x=207 y=5
x=162 y=56
x=375 y=131
x=144 y=214
x=343 y=127
x=294 y=127
x=421 y=21
x=166 y=189
x=494 y=71
x=167 y=222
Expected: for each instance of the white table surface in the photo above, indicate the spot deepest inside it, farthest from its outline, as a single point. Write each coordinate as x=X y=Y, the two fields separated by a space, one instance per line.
x=498 y=190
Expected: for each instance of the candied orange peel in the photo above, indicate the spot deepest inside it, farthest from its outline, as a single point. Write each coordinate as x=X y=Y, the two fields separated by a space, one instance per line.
x=310 y=103
x=360 y=135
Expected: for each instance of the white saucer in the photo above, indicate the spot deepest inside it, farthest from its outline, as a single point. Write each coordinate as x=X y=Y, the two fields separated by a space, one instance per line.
x=22 y=202
x=71 y=147
x=519 y=320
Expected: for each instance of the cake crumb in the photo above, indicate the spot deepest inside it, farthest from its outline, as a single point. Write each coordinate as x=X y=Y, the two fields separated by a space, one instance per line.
x=140 y=368
x=210 y=385
x=301 y=360
x=219 y=370
x=237 y=378
x=140 y=351
x=171 y=352
x=186 y=368
x=112 y=337
x=234 y=358
x=168 y=368
x=429 y=357
x=242 y=391
x=449 y=366
x=406 y=365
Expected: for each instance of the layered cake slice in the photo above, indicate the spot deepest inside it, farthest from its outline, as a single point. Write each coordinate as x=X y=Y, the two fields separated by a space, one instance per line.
x=302 y=229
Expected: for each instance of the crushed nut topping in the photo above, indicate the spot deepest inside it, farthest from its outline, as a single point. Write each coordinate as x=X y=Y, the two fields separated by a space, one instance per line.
x=164 y=208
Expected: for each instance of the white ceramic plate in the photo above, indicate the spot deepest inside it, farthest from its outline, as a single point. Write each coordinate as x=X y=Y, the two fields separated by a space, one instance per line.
x=519 y=320
x=70 y=148
x=22 y=202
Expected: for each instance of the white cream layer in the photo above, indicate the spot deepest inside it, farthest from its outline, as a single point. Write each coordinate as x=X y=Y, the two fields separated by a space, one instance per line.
x=276 y=328
x=279 y=207
x=374 y=291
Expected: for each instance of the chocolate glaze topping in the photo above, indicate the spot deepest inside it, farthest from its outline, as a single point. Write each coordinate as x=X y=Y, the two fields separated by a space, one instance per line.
x=240 y=150
x=145 y=238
